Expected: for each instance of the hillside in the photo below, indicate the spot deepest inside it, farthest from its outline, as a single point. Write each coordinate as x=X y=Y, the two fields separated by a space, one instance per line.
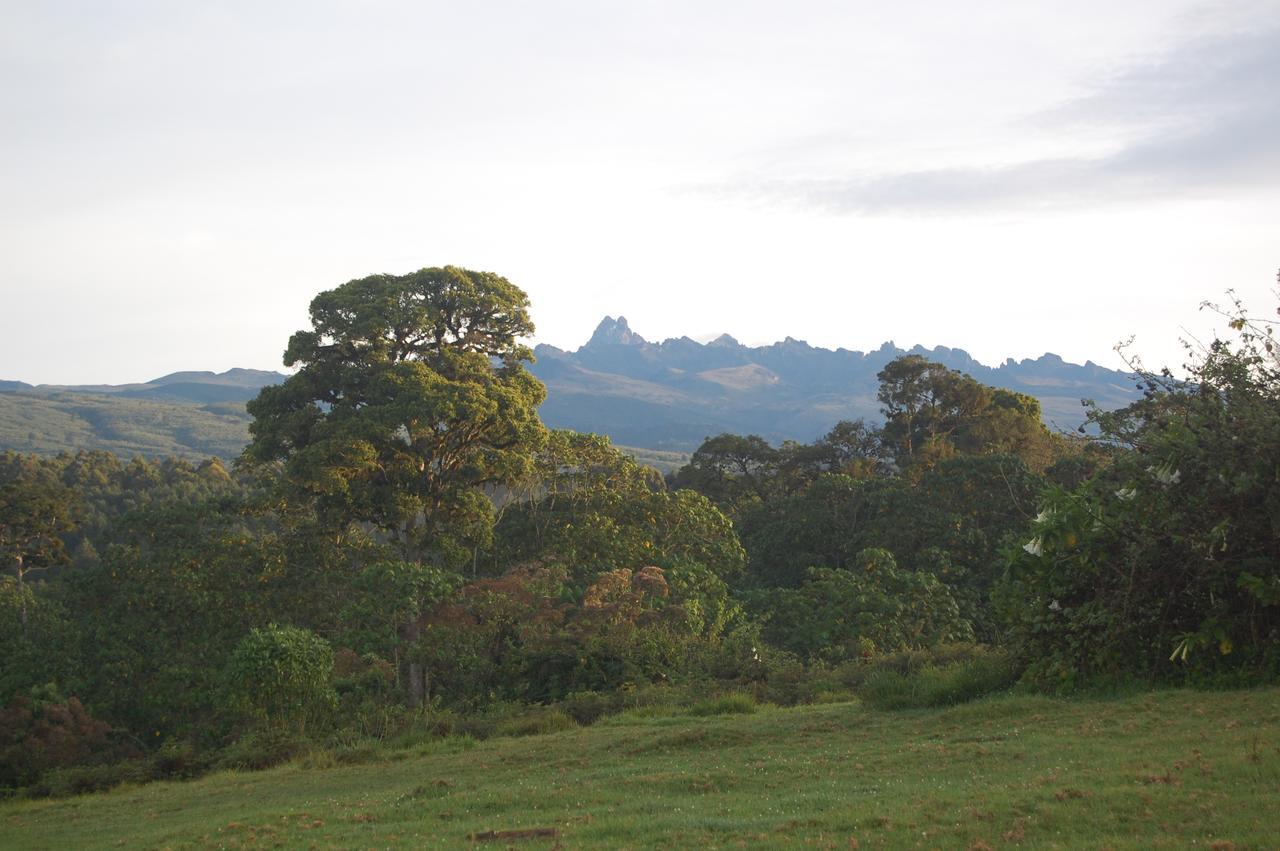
x=1160 y=770
x=185 y=414
x=673 y=394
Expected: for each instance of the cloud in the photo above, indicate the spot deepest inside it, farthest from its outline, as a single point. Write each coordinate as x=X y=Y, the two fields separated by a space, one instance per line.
x=1201 y=121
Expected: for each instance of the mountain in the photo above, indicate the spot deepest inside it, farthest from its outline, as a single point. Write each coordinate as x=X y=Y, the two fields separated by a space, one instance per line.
x=673 y=394
x=666 y=396
x=234 y=385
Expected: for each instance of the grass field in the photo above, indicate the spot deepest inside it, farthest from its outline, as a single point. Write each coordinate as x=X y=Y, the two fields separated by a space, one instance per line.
x=1171 y=769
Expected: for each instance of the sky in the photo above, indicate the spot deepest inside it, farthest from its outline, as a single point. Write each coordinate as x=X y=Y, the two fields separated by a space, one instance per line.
x=179 y=179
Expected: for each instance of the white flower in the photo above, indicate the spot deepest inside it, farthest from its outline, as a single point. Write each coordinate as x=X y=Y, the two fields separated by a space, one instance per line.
x=1047 y=514
x=1126 y=494
x=1035 y=546
x=1166 y=474
x=1055 y=606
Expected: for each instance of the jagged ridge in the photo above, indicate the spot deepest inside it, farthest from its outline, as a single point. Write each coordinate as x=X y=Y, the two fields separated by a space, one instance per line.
x=672 y=394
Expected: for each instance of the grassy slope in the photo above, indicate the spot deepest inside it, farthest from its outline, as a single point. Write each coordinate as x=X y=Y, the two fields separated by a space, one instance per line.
x=1168 y=769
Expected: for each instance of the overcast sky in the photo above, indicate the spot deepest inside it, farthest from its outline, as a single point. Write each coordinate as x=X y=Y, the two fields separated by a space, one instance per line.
x=178 y=180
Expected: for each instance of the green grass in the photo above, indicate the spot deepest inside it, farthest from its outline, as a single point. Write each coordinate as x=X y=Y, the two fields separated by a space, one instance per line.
x=1172 y=769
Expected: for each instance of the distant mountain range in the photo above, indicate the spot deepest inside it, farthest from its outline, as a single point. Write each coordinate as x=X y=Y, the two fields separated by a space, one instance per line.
x=234 y=385
x=671 y=395
x=186 y=414
x=666 y=396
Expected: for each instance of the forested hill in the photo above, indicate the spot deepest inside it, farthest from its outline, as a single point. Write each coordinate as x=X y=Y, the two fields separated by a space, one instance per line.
x=673 y=394
x=662 y=396
x=186 y=414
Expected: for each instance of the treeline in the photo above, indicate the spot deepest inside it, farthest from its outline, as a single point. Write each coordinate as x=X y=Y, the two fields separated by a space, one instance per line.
x=405 y=550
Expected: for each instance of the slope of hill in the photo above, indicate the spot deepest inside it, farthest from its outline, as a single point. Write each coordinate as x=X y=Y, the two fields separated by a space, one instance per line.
x=186 y=414
x=46 y=423
x=1175 y=769
x=673 y=394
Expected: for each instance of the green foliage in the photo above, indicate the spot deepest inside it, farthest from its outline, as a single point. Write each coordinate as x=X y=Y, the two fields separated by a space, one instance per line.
x=736 y=703
x=263 y=747
x=411 y=395
x=103 y=491
x=933 y=685
x=733 y=471
x=932 y=412
x=43 y=732
x=38 y=637
x=528 y=636
x=592 y=508
x=384 y=597
x=157 y=619
x=538 y=723
x=282 y=675
x=1163 y=564
x=740 y=474
x=873 y=606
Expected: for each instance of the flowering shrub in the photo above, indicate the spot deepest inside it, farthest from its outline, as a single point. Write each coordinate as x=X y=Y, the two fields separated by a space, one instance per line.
x=1167 y=563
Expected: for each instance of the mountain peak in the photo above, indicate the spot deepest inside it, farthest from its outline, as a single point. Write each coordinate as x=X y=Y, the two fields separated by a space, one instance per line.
x=615 y=332
x=725 y=340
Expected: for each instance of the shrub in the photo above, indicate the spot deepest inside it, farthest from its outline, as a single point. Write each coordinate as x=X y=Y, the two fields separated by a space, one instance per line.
x=536 y=723
x=587 y=707
x=82 y=779
x=931 y=686
x=45 y=733
x=261 y=749
x=177 y=760
x=282 y=675
x=1165 y=565
x=736 y=703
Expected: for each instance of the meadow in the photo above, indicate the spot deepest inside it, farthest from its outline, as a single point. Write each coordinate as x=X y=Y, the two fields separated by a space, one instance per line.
x=1165 y=769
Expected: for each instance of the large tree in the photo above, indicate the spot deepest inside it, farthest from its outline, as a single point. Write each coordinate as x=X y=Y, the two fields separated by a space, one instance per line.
x=932 y=412
x=411 y=404
x=411 y=398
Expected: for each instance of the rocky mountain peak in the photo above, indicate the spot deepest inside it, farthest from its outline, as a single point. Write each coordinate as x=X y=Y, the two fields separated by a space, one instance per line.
x=615 y=332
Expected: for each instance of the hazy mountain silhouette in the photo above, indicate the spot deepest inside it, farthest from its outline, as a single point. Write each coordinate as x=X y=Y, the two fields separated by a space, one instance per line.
x=673 y=394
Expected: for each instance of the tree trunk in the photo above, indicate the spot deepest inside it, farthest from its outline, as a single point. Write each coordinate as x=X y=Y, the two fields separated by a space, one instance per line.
x=417 y=680
x=22 y=598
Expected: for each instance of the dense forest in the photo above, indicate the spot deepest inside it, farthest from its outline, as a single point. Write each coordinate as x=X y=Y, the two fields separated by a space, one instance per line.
x=405 y=549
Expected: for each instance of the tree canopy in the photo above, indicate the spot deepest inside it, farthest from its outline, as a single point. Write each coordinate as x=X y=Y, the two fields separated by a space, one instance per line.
x=411 y=396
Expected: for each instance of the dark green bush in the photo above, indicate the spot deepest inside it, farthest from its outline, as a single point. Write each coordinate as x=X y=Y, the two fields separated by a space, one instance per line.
x=81 y=779
x=262 y=748
x=932 y=685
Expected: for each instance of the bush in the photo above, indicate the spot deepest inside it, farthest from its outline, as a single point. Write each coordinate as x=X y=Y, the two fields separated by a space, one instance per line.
x=854 y=673
x=262 y=749
x=536 y=723
x=44 y=733
x=82 y=779
x=588 y=707
x=178 y=761
x=931 y=686
x=282 y=675
x=1165 y=565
